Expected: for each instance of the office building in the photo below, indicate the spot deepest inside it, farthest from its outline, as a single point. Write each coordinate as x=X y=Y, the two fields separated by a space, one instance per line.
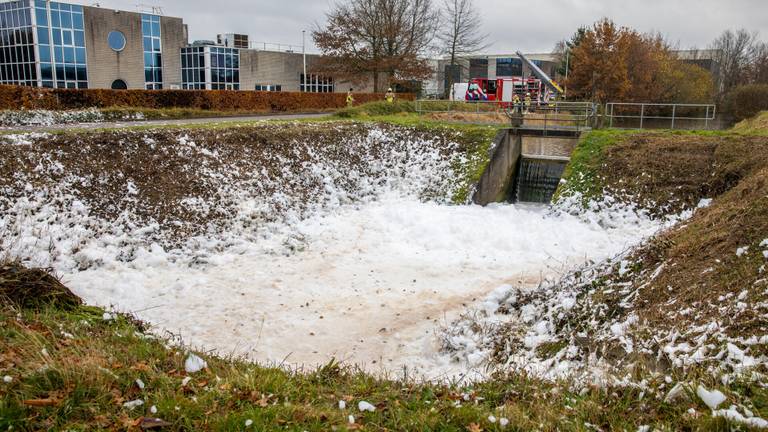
x=55 y=44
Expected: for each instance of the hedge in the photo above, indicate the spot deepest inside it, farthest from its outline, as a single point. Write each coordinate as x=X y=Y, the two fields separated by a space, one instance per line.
x=746 y=101
x=19 y=97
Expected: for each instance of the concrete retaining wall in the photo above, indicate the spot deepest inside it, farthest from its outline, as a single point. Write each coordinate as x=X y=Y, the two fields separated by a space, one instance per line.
x=512 y=145
x=500 y=173
x=549 y=146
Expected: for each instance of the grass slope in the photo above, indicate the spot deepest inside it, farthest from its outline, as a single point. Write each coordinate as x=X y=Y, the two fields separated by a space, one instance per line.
x=757 y=125
x=70 y=369
x=74 y=370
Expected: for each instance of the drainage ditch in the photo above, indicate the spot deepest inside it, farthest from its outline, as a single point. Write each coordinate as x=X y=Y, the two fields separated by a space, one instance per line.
x=526 y=165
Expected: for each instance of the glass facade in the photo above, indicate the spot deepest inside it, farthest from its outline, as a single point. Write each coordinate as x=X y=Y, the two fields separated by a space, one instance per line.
x=210 y=68
x=509 y=67
x=225 y=68
x=193 y=68
x=17 y=44
x=42 y=44
x=153 y=51
x=316 y=84
x=61 y=45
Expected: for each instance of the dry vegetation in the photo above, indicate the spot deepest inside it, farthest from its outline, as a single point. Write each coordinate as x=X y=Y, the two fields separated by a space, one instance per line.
x=23 y=287
x=20 y=97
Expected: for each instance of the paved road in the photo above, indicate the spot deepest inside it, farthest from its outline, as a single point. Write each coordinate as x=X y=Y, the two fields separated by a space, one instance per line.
x=170 y=122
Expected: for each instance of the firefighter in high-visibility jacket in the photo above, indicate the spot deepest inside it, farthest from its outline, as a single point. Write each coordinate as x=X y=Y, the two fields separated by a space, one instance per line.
x=528 y=102
x=390 y=96
x=516 y=103
x=350 y=98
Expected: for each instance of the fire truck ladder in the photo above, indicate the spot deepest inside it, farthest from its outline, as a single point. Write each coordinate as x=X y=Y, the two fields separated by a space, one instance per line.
x=541 y=75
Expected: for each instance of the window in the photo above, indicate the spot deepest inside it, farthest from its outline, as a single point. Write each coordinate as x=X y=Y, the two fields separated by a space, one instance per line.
x=269 y=87
x=478 y=68
x=210 y=67
x=119 y=84
x=153 y=57
x=116 y=41
x=509 y=67
x=60 y=44
x=17 y=49
x=316 y=84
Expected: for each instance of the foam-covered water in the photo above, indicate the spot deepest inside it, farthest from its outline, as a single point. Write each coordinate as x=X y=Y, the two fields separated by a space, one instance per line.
x=367 y=278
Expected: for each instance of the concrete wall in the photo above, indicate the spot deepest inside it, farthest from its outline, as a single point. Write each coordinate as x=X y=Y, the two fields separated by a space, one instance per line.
x=549 y=146
x=173 y=32
x=501 y=170
x=105 y=65
x=285 y=69
x=509 y=148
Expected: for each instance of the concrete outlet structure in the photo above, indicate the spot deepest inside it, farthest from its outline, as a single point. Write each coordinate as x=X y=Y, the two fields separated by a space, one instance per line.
x=526 y=164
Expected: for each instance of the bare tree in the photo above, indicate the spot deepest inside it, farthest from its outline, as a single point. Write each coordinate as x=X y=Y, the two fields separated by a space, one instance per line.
x=759 y=69
x=461 y=33
x=367 y=38
x=733 y=52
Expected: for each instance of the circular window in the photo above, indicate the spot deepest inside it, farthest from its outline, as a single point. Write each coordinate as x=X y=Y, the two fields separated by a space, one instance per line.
x=116 y=40
x=119 y=85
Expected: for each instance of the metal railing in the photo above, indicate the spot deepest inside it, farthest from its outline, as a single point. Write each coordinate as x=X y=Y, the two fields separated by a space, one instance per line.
x=276 y=47
x=552 y=115
x=627 y=115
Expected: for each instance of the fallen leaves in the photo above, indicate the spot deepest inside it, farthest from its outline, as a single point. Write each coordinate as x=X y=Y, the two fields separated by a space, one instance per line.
x=147 y=423
x=41 y=402
x=140 y=367
x=474 y=427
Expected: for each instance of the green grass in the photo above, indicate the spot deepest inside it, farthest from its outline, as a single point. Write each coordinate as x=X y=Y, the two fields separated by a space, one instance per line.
x=581 y=173
x=757 y=125
x=376 y=109
x=90 y=367
x=120 y=114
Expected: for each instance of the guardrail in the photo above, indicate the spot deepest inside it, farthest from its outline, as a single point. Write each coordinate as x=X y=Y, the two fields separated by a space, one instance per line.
x=627 y=115
x=552 y=115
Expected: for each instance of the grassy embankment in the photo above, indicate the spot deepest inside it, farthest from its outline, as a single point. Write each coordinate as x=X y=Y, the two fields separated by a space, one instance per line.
x=70 y=369
x=709 y=269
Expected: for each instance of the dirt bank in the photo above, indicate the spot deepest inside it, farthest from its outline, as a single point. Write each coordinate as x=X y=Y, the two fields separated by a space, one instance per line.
x=187 y=183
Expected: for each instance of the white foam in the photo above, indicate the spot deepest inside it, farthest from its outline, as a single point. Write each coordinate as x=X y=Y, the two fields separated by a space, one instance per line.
x=362 y=270
x=370 y=287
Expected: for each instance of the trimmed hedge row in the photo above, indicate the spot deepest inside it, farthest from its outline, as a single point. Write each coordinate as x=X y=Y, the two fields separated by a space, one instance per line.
x=19 y=97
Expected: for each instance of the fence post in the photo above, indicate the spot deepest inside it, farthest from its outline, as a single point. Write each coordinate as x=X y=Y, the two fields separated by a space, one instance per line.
x=706 y=119
x=610 y=116
x=674 y=111
x=642 y=115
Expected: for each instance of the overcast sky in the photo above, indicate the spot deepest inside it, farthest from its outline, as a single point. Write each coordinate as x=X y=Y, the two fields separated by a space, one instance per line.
x=528 y=25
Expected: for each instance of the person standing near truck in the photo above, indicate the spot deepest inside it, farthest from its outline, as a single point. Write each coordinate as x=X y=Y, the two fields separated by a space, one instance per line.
x=390 y=96
x=516 y=103
x=350 y=98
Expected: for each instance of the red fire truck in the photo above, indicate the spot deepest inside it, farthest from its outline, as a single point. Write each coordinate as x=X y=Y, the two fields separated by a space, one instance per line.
x=504 y=89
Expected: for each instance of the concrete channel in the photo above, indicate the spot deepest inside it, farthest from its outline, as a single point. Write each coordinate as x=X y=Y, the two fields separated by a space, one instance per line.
x=526 y=165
